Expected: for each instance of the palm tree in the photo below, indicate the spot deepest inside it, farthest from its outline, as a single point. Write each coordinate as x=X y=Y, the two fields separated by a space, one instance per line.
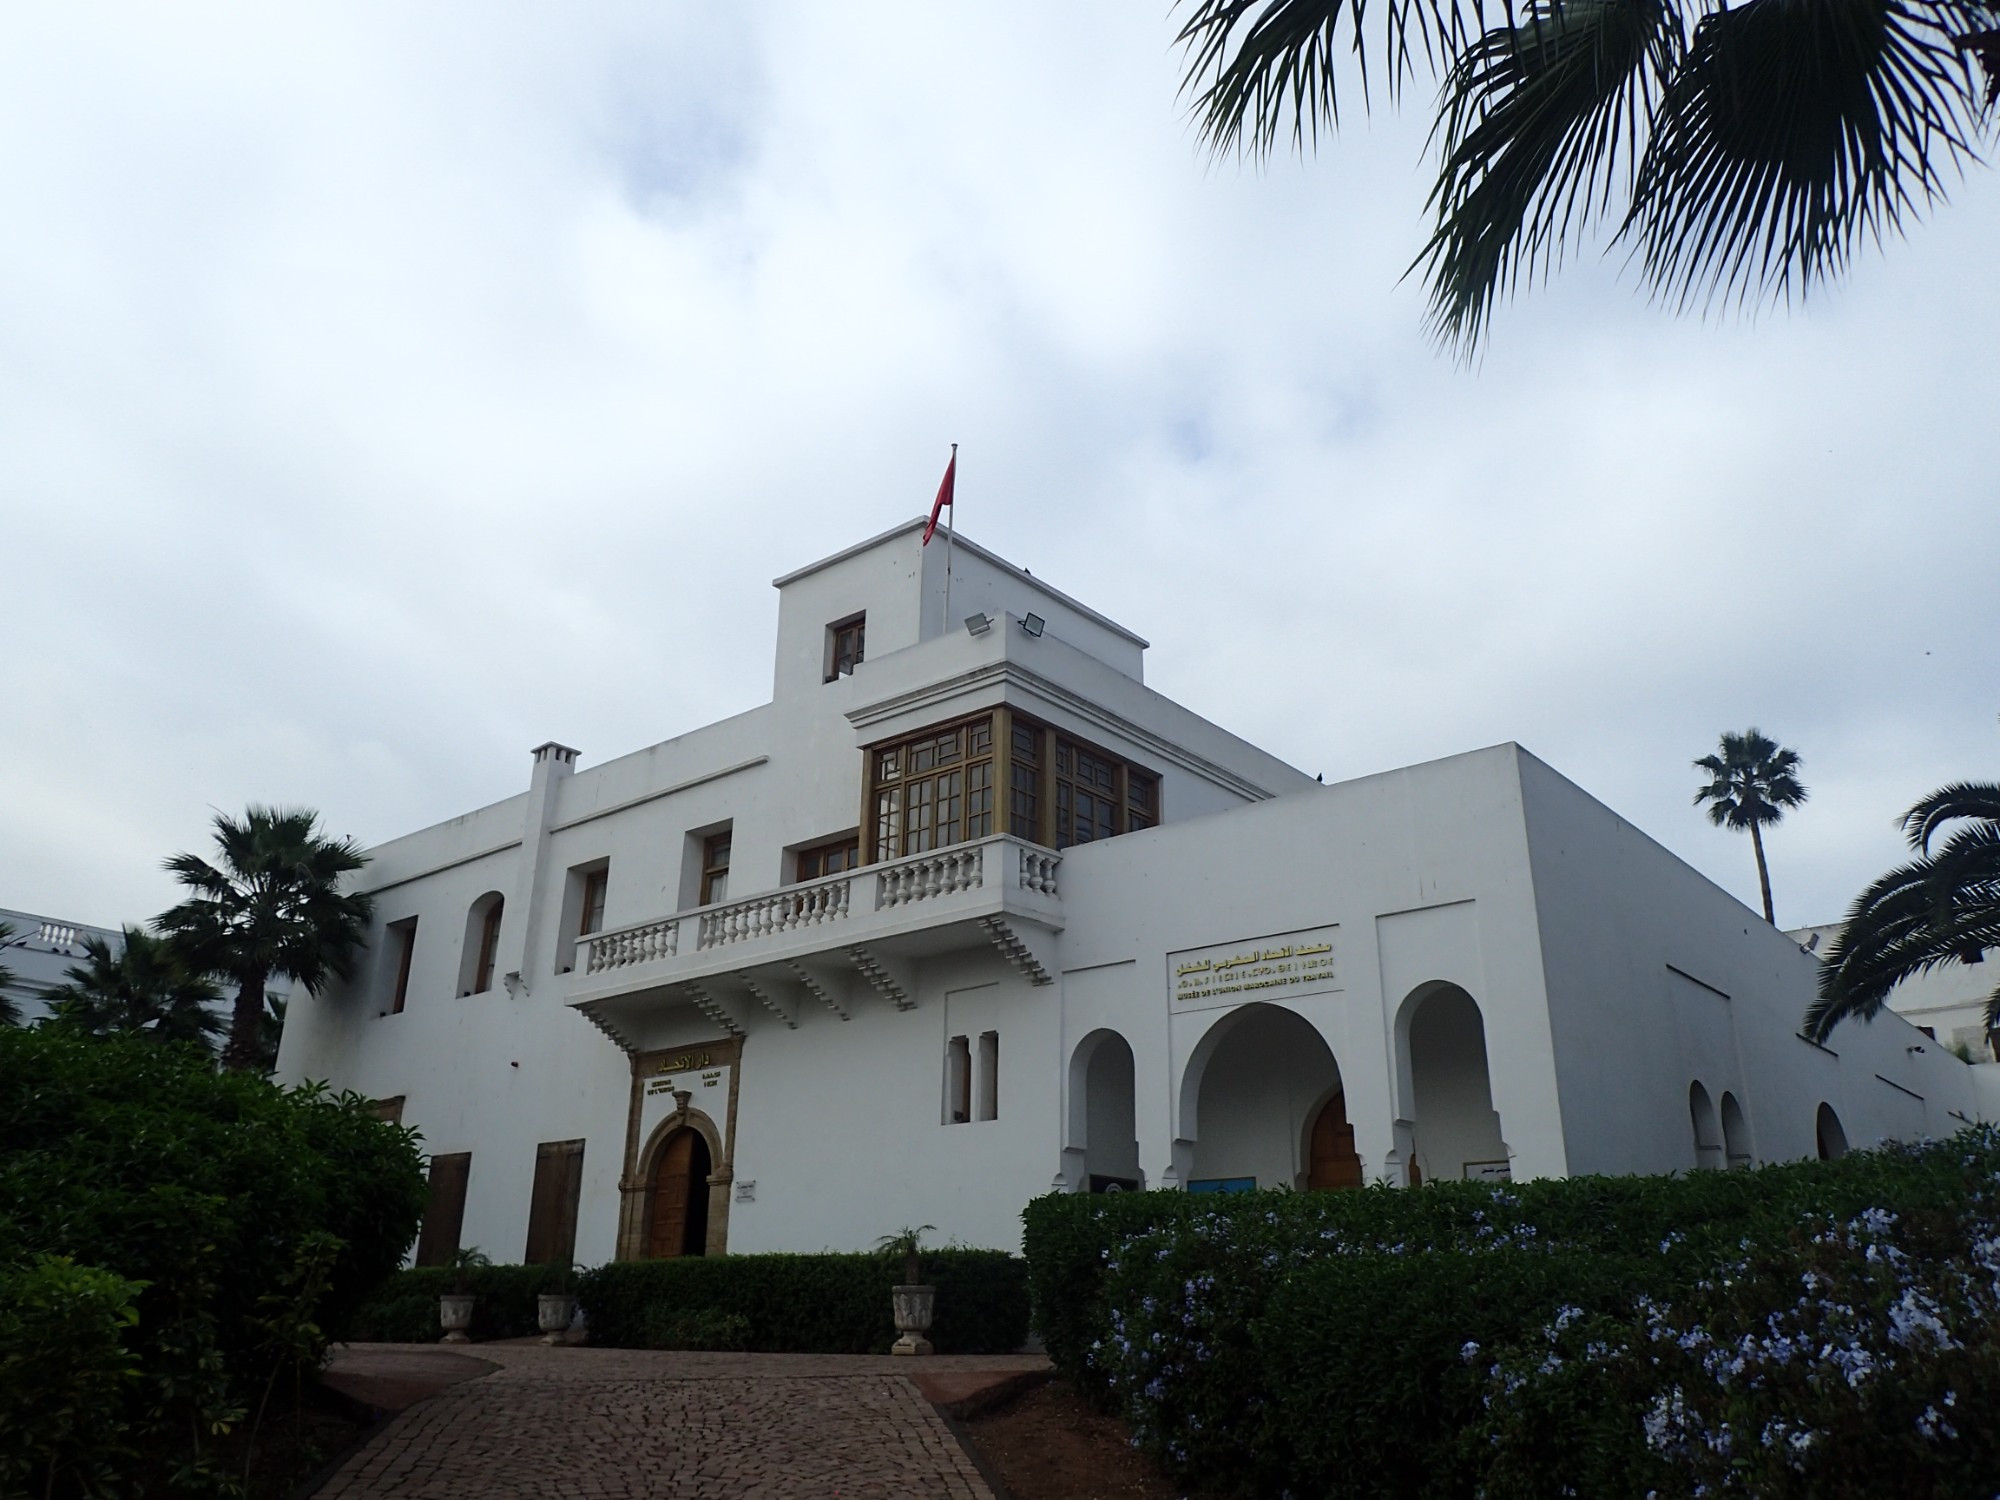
x=274 y=904
x=145 y=986
x=1751 y=783
x=1940 y=908
x=1739 y=150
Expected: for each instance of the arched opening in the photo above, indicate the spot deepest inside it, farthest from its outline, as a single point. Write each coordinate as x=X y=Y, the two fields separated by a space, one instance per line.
x=1255 y=1088
x=1735 y=1132
x=1832 y=1138
x=677 y=1197
x=482 y=944
x=1707 y=1135
x=1455 y=1132
x=1331 y=1160
x=1102 y=1114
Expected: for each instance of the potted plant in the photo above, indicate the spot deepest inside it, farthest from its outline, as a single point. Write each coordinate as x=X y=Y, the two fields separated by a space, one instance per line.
x=555 y=1307
x=913 y=1302
x=455 y=1306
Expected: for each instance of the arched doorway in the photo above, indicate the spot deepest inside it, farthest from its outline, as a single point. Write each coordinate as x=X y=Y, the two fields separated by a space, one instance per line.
x=1735 y=1132
x=1252 y=1094
x=677 y=1198
x=1832 y=1138
x=1331 y=1160
x=1455 y=1131
x=1102 y=1114
x=1707 y=1135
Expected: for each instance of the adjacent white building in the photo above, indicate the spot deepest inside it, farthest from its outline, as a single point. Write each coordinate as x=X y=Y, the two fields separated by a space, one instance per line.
x=966 y=910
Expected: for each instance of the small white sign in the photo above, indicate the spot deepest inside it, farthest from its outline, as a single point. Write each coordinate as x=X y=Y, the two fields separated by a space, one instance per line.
x=1266 y=968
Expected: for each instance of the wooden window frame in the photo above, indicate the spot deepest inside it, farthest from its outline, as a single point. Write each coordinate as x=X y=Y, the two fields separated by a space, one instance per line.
x=972 y=806
x=816 y=855
x=405 y=934
x=857 y=627
x=590 y=904
x=723 y=843
x=489 y=947
x=444 y=1211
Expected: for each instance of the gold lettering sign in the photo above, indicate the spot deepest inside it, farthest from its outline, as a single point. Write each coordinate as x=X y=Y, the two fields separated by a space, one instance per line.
x=1232 y=973
x=683 y=1062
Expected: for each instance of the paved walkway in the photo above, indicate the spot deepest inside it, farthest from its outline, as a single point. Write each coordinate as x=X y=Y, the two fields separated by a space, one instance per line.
x=504 y=1420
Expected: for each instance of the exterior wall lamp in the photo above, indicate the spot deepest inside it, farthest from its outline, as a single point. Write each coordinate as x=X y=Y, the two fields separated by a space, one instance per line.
x=978 y=624
x=1033 y=624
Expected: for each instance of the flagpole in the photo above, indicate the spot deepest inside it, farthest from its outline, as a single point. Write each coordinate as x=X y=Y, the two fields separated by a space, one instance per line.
x=950 y=526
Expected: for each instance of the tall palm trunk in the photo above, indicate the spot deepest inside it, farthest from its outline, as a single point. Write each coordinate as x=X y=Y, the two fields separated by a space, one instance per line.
x=1763 y=873
x=247 y=1022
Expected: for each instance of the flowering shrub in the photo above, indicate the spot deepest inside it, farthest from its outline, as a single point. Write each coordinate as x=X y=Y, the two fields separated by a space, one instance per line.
x=1727 y=1333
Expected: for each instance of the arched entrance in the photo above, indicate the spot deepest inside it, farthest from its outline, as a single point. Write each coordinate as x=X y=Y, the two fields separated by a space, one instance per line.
x=1455 y=1132
x=1331 y=1160
x=1832 y=1138
x=677 y=1197
x=1102 y=1114
x=1252 y=1098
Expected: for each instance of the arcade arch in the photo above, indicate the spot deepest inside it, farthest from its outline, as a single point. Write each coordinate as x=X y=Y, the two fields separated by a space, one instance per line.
x=1261 y=1105
x=1707 y=1134
x=1735 y=1132
x=1102 y=1128
x=1831 y=1136
x=1454 y=1130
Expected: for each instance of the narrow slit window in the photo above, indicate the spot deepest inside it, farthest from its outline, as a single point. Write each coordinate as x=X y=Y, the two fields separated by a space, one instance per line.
x=957 y=1081
x=989 y=1075
x=403 y=940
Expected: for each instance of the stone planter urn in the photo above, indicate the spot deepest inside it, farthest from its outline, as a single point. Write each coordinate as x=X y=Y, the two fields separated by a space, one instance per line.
x=554 y=1311
x=454 y=1317
x=913 y=1306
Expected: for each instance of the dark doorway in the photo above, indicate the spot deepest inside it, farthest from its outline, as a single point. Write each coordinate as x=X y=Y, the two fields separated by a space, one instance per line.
x=679 y=1200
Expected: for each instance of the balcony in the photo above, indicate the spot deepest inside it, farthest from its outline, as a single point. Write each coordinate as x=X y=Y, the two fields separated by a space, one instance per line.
x=831 y=944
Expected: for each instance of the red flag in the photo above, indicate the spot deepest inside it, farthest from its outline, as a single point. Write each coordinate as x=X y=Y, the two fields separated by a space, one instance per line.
x=943 y=494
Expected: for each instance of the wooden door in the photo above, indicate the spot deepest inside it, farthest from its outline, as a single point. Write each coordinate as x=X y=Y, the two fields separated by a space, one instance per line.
x=672 y=1185
x=1334 y=1162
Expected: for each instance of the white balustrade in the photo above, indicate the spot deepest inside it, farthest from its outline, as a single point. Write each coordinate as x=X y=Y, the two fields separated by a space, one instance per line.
x=780 y=911
x=1038 y=870
x=924 y=876
x=633 y=945
x=829 y=901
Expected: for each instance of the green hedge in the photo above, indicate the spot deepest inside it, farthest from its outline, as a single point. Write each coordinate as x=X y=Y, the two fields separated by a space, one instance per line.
x=1398 y=1342
x=808 y=1304
x=404 y=1309
x=240 y=1218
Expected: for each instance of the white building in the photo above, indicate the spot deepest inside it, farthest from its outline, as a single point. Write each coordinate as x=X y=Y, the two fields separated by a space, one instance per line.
x=966 y=910
x=40 y=954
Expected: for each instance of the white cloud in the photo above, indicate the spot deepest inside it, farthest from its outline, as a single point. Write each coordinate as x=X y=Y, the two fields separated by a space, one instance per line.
x=387 y=391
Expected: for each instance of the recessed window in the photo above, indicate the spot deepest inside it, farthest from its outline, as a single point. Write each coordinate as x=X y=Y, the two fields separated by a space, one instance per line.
x=844 y=643
x=988 y=1089
x=595 y=883
x=715 y=868
x=402 y=948
x=957 y=1081
x=829 y=859
x=482 y=944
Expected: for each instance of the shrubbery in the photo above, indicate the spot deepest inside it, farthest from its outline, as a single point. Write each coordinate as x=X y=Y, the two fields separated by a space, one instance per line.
x=404 y=1309
x=808 y=1304
x=1811 y=1329
x=171 y=1238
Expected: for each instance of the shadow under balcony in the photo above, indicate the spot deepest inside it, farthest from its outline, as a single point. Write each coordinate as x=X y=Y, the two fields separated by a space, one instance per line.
x=826 y=945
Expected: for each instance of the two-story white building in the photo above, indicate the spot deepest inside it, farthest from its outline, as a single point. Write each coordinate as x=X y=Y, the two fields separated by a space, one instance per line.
x=966 y=910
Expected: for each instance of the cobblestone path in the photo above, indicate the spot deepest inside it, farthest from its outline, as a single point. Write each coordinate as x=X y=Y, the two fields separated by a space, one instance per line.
x=594 y=1424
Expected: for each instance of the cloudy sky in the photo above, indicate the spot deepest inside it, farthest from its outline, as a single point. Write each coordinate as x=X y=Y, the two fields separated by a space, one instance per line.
x=386 y=389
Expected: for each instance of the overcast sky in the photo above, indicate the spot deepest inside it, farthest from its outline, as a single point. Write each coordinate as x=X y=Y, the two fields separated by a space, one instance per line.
x=387 y=389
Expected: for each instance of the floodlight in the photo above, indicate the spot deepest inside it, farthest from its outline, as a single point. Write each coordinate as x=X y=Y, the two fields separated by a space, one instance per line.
x=977 y=624
x=1033 y=624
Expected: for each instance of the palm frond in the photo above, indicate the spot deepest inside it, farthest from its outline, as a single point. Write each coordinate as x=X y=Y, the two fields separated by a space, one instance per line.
x=1540 y=120
x=1793 y=131
x=1256 y=65
x=1961 y=799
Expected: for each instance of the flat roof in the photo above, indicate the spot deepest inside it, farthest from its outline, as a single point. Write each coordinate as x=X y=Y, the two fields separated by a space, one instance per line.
x=985 y=554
